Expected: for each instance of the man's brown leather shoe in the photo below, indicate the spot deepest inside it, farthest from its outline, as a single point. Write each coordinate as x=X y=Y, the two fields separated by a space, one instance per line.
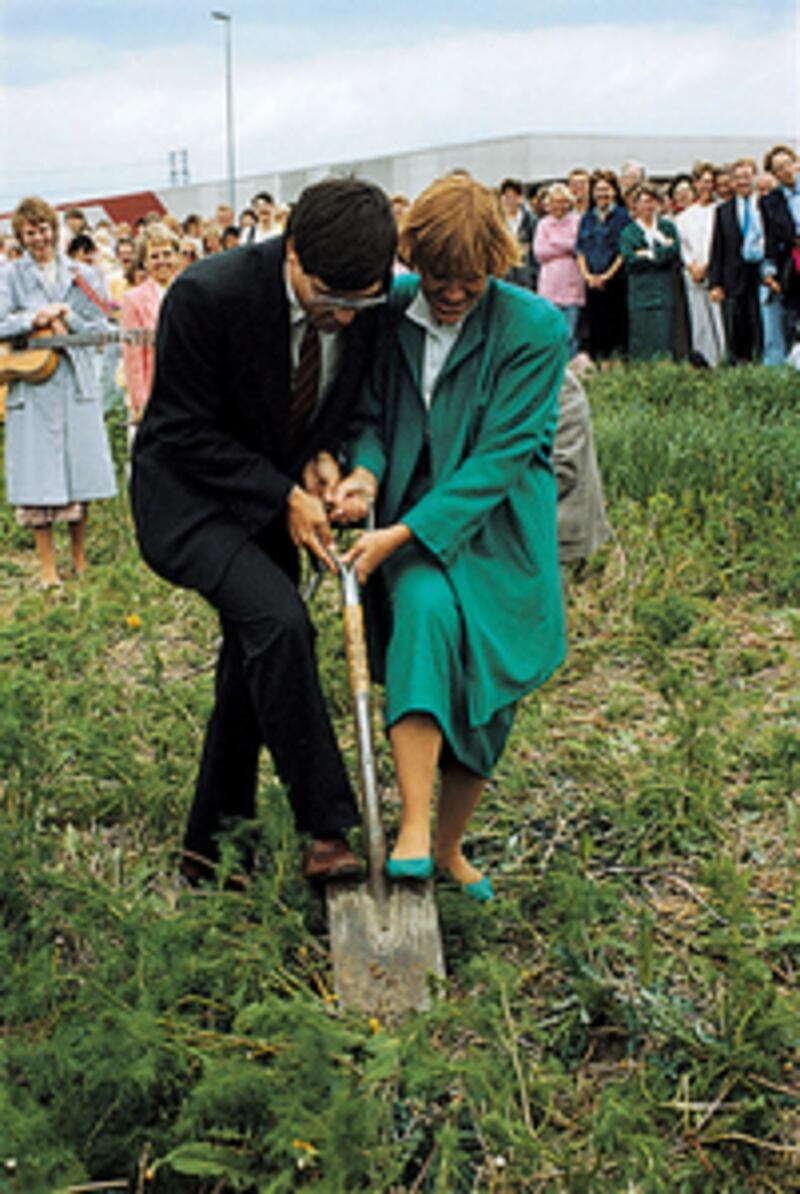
x=331 y=858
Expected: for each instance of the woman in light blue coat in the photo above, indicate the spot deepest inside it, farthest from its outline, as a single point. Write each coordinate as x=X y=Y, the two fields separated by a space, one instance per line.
x=57 y=452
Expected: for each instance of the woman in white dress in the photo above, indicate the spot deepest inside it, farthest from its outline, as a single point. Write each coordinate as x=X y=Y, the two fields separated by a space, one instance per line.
x=695 y=227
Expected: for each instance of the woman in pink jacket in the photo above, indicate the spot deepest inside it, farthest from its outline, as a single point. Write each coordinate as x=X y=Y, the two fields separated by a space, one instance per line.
x=157 y=252
x=560 y=279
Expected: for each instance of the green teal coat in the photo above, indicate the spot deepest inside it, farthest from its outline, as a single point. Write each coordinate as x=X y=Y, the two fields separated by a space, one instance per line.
x=651 y=291
x=489 y=517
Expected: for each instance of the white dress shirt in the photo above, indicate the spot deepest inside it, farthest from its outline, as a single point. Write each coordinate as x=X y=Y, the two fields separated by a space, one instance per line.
x=439 y=341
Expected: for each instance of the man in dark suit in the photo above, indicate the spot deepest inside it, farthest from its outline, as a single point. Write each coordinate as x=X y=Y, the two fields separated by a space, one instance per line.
x=259 y=360
x=737 y=249
x=780 y=211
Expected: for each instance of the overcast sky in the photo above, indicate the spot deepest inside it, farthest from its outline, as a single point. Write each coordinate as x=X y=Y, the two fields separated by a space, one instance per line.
x=95 y=93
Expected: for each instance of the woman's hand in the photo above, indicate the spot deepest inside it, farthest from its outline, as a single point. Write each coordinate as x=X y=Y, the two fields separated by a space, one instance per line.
x=373 y=547
x=353 y=496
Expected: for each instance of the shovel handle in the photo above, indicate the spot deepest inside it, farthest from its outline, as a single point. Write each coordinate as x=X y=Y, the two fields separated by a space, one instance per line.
x=356 y=649
x=358 y=673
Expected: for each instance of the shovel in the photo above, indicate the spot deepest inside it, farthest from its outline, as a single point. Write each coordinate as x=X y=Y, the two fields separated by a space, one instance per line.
x=385 y=937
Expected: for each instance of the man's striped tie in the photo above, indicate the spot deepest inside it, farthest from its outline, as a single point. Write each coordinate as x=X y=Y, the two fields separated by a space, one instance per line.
x=305 y=391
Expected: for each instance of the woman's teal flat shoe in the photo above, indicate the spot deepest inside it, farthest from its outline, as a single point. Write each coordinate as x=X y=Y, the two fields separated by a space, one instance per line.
x=409 y=868
x=481 y=890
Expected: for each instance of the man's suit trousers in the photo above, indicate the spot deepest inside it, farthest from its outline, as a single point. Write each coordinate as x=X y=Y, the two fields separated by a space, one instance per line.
x=741 y=314
x=267 y=693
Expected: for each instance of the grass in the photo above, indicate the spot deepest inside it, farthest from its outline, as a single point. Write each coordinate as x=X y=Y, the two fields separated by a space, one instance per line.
x=624 y=1018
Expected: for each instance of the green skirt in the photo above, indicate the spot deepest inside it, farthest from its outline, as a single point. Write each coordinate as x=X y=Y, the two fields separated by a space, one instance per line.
x=651 y=332
x=424 y=662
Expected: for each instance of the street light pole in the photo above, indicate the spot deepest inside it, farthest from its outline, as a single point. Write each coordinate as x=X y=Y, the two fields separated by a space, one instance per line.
x=227 y=20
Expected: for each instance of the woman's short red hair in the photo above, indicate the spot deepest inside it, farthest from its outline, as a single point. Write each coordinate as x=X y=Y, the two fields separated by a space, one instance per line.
x=455 y=229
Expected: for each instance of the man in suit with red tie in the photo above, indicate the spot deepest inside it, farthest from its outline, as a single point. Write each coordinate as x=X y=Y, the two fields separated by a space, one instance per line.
x=737 y=250
x=260 y=356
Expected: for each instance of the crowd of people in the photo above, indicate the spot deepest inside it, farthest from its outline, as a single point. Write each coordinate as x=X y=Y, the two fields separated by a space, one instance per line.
x=706 y=267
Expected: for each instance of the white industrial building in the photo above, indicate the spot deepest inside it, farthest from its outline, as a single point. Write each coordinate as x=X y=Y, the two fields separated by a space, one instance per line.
x=533 y=157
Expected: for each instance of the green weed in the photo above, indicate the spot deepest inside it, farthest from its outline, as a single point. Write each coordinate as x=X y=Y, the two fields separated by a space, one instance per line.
x=624 y=1017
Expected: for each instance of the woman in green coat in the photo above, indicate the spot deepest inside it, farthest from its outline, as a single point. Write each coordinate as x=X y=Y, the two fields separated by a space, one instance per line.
x=455 y=447
x=650 y=250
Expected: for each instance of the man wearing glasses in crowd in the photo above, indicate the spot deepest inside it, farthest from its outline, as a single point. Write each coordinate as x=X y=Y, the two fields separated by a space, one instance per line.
x=260 y=357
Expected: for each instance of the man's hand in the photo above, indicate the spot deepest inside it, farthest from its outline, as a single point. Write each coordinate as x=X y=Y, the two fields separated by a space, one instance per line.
x=697 y=272
x=716 y=294
x=309 y=526
x=321 y=476
x=354 y=496
x=373 y=547
x=772 y=282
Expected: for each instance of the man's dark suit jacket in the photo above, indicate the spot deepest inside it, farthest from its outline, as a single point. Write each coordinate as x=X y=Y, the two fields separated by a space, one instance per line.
x=211 y=465
x=726 y=268
x=779 y=232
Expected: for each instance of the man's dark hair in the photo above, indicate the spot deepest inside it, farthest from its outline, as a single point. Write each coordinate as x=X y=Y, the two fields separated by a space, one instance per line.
x=771 y=154
x=81 y=243
x=344 y=233
x=265 y=195
x=511 y=184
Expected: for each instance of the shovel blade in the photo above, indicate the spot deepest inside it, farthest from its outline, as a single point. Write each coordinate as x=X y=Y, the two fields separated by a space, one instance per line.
x=384 y=951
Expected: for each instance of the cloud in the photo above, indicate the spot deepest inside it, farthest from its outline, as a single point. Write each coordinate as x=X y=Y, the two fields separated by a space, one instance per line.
x=110 y=125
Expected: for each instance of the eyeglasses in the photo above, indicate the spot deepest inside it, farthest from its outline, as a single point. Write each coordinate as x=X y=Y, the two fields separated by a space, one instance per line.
x=326 y=298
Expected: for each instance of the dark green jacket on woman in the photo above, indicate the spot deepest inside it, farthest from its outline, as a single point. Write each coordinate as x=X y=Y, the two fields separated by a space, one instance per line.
x=651 y=291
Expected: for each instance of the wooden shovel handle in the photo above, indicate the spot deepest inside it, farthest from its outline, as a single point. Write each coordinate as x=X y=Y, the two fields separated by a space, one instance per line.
x=356 y=649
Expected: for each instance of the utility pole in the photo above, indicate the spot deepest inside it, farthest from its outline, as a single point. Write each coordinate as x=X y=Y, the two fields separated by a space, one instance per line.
x=227 y=21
